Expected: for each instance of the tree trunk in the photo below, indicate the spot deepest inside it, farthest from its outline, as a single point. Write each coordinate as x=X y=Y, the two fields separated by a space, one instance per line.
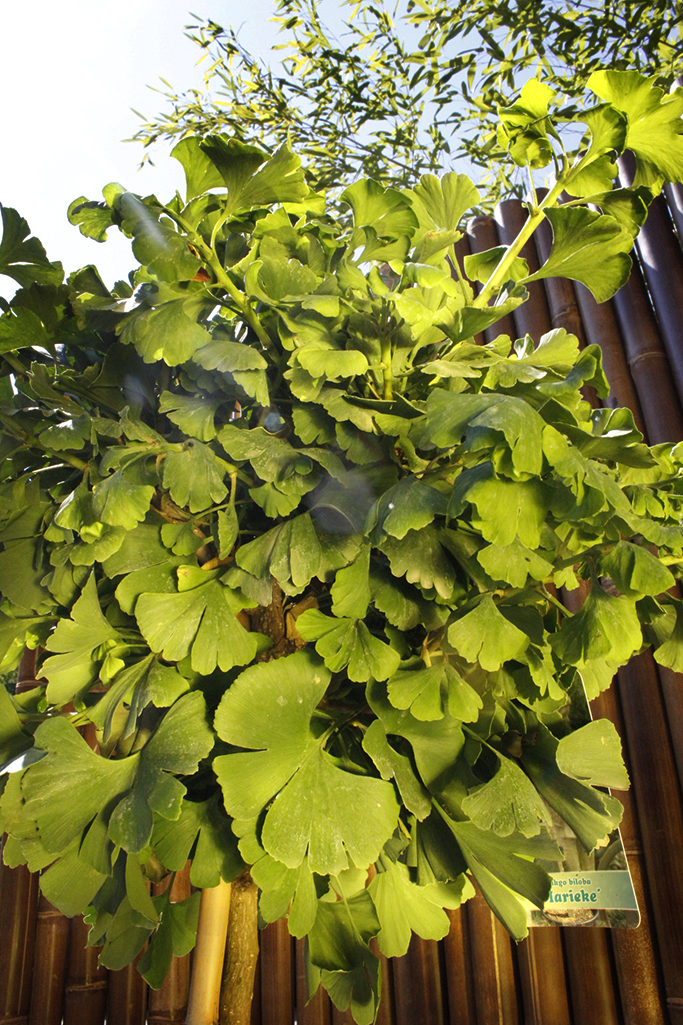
x=242 y=953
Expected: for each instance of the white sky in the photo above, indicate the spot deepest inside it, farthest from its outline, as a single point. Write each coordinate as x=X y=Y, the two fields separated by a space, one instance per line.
x=70 y=72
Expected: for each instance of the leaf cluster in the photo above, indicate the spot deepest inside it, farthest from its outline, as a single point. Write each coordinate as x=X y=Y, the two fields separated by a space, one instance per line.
x=288 y=542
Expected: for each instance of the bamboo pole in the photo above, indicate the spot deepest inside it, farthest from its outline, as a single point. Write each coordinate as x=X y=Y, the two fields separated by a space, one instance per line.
x=662 y=262
x=19 y=908
x=127 y=996
x=459 y=975
x=636 y=952
x=660 y=810
x=386 y=1013
x=318 y=1011
x=674 y=200
x=237 y=987
x=543 y=981
x=564 y=310
x=481 y=234
x=495 y=990
x=85 y=995
x=168 y=1005
x=601 y=328
x=277 y=1004
x=533 y=316
x=591 y=975
x=49 y=966
x=462 y=249
x=422 y=973
x=648 y=361
x=209 y=954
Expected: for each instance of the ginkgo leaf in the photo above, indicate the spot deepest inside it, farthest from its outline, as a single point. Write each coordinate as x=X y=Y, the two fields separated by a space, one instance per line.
x=351 y=589
x=120 y=502
x=348 y=643
x=130 y=789
x=169 y=332
x=338 y=943
x=590 y=813
x=592 y=754
x=588 y=247
x=514 y=563
x=427 y=691
x=73 y=669
x=203 y=832
x=441 y=202
x=200 y=622
x=391 y=763
x=270 y=708
x=636 y=571
x=605 y=627
x=408 y=505
x=510 y=509
x=487 y=637
x=508 y=802
x=422 y=559
x=654 y=122
x=194 y=475
x=291 y=552
x=22 y=257
x=436 y=745
x=193 y=414
x=670 y=653
x=403 y=909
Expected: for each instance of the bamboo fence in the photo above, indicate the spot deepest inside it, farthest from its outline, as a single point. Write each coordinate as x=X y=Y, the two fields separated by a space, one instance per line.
x=476 y=975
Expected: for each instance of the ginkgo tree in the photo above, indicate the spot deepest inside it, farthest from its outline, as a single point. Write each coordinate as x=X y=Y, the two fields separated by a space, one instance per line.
x=291 y=543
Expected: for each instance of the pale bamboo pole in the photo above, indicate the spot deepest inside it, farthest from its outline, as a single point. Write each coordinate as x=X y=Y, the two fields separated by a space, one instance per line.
x=209 y=954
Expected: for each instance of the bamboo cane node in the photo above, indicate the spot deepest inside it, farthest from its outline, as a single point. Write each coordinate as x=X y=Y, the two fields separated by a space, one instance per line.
x=88 y=987
x=651 y=354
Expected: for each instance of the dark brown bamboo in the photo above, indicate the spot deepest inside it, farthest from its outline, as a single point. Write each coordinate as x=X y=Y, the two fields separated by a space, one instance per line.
x=674 y=200
x=241 y=953
x=591 y=976
x=481 y=234
x=26 y=672
x=417 y=984
x=386 y=1013
x=85 y=995
x=492 y=965
x=564 y=310
x=533 y=316
x=636 y=951
x=18 y=916
x=648 y=361
x=168 y=1005
x=277 y=1006
x=407 y=1008
x=601 y=328
x=658 y=797
x=459 y=977
x=49 y=965
x=542 y=976
x=462 y=249
x=662 y=262
x=318 y=1011
x=672 y=692
x=127 y=996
